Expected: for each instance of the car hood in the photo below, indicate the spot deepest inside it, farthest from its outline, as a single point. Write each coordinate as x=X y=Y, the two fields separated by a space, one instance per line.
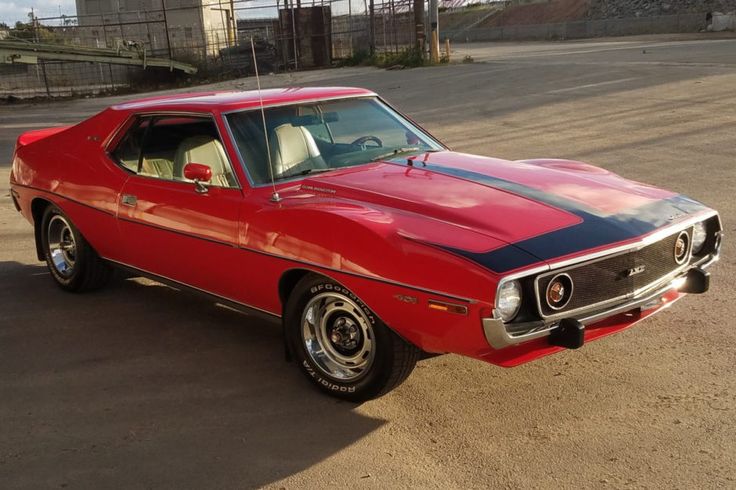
x=527 y=211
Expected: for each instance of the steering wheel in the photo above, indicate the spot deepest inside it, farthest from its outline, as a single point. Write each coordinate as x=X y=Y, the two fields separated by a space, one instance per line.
x=364 y=139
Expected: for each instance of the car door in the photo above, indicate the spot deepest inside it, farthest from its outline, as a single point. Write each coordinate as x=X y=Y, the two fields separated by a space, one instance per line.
x=174 y=227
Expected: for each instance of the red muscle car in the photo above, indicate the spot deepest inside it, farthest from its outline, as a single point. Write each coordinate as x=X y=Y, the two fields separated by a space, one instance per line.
x=370 y=240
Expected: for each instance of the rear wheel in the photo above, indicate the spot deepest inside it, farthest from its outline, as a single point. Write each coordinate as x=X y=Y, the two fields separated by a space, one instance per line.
x=72 y=262
x=339 y=343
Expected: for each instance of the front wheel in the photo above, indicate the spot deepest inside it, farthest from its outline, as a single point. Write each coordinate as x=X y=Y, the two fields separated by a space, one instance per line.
x=339 y=343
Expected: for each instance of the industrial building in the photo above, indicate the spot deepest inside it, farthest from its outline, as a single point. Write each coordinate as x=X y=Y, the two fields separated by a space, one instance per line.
x=178 y=28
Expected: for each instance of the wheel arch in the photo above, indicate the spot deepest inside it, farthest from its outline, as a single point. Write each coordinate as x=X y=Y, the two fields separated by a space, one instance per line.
x=289 y=280
x=38 y=207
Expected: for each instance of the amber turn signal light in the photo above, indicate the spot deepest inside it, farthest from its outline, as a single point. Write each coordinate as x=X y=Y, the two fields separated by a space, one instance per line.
x=448 y=307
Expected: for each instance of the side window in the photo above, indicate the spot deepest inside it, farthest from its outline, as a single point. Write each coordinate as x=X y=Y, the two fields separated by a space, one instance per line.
x=161 y=146
x=174 y=141
x=128 y=151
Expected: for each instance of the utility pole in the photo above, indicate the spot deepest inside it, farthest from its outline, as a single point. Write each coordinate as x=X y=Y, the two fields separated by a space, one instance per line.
x=234 y=21
x=293 y=36
x=419 y=26
x=297 y=32
x=372 y=27
x=434 y=48
x=350 y=24
x=283 y=33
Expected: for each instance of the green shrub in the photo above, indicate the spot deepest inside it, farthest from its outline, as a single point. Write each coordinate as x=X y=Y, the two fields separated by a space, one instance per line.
x=360 y=57
x=408 y=58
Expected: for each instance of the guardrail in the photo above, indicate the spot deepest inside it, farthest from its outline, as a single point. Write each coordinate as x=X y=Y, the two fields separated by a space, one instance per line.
x=18 y=51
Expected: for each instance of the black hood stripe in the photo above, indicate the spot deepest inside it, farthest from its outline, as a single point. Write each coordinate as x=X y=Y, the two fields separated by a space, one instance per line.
x=595 y=230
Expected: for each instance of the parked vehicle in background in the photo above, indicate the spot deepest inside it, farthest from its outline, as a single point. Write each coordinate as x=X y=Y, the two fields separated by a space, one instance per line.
x=239 y=59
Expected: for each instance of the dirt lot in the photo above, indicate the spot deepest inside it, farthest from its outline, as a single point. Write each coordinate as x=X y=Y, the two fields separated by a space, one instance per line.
x=142 y=386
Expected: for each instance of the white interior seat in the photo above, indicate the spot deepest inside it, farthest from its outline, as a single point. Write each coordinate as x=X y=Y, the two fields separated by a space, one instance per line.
x=294 y=150
x=204 y=150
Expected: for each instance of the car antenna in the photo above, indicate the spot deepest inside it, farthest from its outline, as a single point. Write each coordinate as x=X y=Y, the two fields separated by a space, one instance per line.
x=275 y=196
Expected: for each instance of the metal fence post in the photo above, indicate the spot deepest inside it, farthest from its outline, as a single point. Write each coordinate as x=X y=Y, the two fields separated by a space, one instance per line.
x=166 y=28
x=34 y=25
x=372 y=26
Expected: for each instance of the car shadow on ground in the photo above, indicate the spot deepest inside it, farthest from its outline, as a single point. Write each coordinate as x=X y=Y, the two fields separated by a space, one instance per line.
x=143 y=385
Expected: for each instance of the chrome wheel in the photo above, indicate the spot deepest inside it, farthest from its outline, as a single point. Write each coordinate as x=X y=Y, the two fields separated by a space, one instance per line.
x=338 y=336
x=62 y=245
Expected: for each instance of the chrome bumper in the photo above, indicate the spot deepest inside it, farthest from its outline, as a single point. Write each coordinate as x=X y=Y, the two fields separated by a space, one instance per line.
x=499 y=337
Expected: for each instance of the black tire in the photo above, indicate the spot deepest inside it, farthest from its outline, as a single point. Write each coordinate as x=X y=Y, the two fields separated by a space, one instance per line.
x=87 y=271
x=392 y=358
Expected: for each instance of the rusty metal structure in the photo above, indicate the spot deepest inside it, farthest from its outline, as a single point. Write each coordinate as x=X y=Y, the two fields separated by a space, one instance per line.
x=82 y=55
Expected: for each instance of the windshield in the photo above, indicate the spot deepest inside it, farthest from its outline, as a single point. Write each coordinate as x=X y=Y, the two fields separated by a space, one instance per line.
x=323 y=136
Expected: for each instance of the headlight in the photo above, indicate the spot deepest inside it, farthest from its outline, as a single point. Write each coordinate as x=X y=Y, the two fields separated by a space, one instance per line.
x=508 y=301
x=699 y=237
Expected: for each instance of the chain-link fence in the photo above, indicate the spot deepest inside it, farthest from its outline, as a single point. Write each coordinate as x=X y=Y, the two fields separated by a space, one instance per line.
x=211 y=35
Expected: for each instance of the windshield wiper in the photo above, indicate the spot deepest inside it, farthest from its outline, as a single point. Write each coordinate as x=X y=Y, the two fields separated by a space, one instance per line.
x=304 y=172
x=399 y=151
x=395 y=152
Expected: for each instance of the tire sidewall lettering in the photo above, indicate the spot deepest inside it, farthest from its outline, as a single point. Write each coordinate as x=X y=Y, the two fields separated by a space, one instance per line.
x=326 y=383
x=339 y=289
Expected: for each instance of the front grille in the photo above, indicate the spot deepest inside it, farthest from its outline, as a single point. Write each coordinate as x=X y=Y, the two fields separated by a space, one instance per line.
x=606 y=279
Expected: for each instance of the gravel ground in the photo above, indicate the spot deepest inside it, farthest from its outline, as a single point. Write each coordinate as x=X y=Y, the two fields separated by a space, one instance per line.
x=143 y=386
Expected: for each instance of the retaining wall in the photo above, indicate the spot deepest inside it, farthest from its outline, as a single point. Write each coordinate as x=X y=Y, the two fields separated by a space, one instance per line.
x=581 y=29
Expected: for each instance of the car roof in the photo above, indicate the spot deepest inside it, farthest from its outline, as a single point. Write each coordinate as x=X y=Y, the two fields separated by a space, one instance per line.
x=224 y=101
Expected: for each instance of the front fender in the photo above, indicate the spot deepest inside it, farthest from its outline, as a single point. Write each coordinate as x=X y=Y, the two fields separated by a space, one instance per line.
x=375 y=243
x=381 y=256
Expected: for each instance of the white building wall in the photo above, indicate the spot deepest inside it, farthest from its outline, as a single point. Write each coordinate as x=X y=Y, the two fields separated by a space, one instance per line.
x=189 y=28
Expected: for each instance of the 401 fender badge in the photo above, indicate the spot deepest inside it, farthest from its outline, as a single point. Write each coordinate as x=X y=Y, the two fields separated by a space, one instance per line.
x=406 y=299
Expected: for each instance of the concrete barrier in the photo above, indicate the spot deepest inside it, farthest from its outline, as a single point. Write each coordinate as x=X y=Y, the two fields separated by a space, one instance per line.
x=723 y=22
x=582 y=29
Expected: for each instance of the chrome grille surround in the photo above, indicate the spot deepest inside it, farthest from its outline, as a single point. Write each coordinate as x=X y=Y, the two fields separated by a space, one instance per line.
x=500 y=334
x=604 y=281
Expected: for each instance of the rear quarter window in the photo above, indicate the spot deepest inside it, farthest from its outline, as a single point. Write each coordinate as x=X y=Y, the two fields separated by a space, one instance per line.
x=128 y=151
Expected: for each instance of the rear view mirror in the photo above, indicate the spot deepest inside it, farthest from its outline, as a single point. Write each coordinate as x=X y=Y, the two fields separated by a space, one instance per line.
x=330 y=117
x=314 y=119
x=198 y=173
x=305 y=120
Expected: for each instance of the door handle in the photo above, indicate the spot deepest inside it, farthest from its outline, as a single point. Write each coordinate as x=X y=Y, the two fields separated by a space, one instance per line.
x=129 y=200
